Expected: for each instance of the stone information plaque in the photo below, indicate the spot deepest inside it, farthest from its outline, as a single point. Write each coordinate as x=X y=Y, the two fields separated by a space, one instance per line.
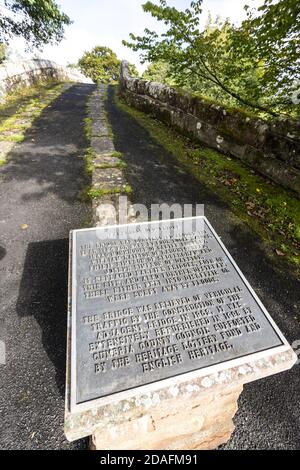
x=156 y=300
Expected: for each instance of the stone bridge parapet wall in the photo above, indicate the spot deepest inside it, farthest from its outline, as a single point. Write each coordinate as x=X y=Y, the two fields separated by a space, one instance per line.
x=29 y=72
x=272 y=149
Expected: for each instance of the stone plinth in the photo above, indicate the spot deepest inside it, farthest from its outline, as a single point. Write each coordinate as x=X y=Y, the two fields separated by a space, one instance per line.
x=194 y=411
x=158 y=373
x=202 y=421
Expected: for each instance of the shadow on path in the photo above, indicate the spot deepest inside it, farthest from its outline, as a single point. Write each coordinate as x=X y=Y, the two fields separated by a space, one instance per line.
x=43 y=294
x=53 y=139
x=39 y=187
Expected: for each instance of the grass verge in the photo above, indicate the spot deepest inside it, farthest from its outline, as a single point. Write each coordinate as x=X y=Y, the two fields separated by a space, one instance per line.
x=22 y=107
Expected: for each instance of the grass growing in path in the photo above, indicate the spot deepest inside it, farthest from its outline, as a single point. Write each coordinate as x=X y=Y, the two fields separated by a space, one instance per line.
x=271 y=211
x=88 y=127
x=22 y=107
x=105 y=166
x=92 y=193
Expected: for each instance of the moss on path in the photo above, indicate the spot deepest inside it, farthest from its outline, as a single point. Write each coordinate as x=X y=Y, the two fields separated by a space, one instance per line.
x=20 y=110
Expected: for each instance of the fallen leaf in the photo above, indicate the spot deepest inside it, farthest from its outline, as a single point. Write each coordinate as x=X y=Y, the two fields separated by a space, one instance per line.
x=279 y=253
x=24 y=226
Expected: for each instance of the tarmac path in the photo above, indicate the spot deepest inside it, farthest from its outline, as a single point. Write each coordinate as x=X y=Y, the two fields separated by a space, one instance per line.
x=39 y=187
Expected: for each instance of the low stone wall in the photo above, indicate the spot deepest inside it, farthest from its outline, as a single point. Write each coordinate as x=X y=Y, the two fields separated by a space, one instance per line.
x=272 y=149
x=28 y=72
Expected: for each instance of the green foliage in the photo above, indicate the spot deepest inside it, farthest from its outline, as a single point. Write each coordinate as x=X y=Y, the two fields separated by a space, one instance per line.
x=252 y=65
x=88 y=127
x=39 y=22
x=105 y=166
x=17 y=138
x=91 y=193
x=117 y=155
x=273 y=33
x=133 y=70
x=158 y=72
x=89 y=165
x=101 y=65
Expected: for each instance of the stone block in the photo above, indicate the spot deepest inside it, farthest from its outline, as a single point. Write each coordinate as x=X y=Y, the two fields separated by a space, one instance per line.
x=199 y=426
x=107 y=179
x=106 y=160
x=111 y=210
x=99 y=128
x=216 y=394
x=102 y=145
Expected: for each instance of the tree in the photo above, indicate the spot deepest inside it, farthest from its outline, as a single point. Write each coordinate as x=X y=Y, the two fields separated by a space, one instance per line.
x=274 y=29
x=39 y=22
x=133 y=70
x=158 y=72
x=101 y=65
x=240 y=63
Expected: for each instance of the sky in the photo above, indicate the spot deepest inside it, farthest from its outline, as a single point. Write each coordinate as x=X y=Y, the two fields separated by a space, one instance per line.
x=108 y=22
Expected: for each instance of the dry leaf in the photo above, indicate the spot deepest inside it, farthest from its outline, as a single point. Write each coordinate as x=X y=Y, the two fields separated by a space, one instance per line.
x=24 y=226
x=279 y=253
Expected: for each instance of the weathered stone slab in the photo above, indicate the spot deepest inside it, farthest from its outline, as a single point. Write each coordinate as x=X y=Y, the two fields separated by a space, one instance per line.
x=108 y=210
x=151 y=310
x=109 y=178
x=96 y=108
x=170 y=397
x=102 y=145
x=106 y=160
x=99 y=128
x=5 y=148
